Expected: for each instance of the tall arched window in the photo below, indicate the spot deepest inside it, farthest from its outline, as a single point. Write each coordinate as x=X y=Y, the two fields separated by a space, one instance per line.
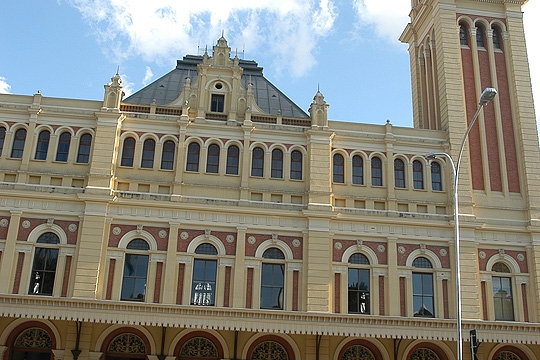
x=18 y=144
x=338 y=169
x=85 y=143
x=418 y=175
x=33 y=343
x=376 y=172
x=399 y=173
x=42 y=146
x=44 y=265
x=128 y=152
x=62 y=151
x=357 y=170
x=2 y=138
x=480 y=36
x=149 y=151
x=358 y=284
x=503 y=302
x=423 y=292
x=203 y=285
x=272 y=279
x=135 y=271
x=436 y=178
x=496 y=38
x=296 y=165
x=192 y=163
x=167 y=155
x=212 y=159
x=233 y=160
x=463 y=36
x=277 y=164
x=257 y=162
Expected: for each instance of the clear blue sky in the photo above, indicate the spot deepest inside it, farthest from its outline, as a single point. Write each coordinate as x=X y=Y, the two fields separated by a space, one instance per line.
x=71 y=48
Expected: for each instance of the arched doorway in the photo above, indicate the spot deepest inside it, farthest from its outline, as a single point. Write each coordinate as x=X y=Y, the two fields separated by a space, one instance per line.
x=32 y=343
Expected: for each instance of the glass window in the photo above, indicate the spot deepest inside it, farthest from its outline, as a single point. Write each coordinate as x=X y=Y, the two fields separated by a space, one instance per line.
x=126 y=346
x=423 y=292
x=272 y=280
x=33 y=343
x=277 y=164
x=257 y=162
x=418 y=175
x=135 y=271
x=269 y=350
x=463 y=38
x=436 y=179
x=502 y=293
x=203 y=285
x=358 y=285
x=18 y=144
x=198 y=348
x=128 y=151
x=2 y=138
x=193 y=157
x=212 y=159
x=399 y=173
x=338 y=169
x=167 y=155
x=42 y=146
x=217 y=103
x=149 y=150
x=357 y=170
x=233 y=159
x=480 y=36
x=83 y=155
x=376 y=172
x=62 y=151
x=496 y=38
x=296 y=165
x=44 y=265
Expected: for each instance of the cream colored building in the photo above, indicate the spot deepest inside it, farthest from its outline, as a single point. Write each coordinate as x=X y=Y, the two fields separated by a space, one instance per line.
x=207 y=216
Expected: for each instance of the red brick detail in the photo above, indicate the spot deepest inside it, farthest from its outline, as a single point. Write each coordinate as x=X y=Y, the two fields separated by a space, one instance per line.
x=180 y=284
x=110 y=279
x=10 y=341
x=202 y=334
x=114 y=240
x=382 y=309
x=227 y=291
x=23 y=233
x=337 y=294
x=445 y=299
x=525 y=304
x=4 y=230
x=260 y=238
x=295 y=290
x=18 y=272
x=230 y=247
x=249 y=288
x=409 y=248
x=67 y=271
x=382 y=258
x=484 y=300
x=124 y=330
x=403 y=302
x=514 y=254
x=159 y=276
x=288 y=348
x=372 y=347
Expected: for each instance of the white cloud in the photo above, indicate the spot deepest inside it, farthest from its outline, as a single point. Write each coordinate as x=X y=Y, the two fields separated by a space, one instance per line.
x=127 y=85
x=4 y=86
x=148 y=75
x=160 y=30
x=388 y=17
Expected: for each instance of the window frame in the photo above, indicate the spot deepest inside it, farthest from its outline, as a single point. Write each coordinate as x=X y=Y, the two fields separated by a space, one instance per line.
x=193 y=157
x=503 y=307
x=357 y=166
x=62 y=149
x=42 y=145
x=212 y=158
x=84 y=148
x=217 y=103
x=206 y=260
x=48 y=244
x=376 y=171
x=422 y=273
x=418 y=175
x=19 y=140
x=297 y=164
x=276 y=167
x=128 y=151
x=257 y=162
x=148 y=154
x=436 y=176
x=273 y=264
x=399 y=174
x=168 y=151
x=338 y=168
x=359 y=265
x=233 y=160
x=135 y=250
x=2 y=138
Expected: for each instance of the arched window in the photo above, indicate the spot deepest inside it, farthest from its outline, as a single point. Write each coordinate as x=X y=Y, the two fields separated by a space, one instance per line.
x=167 y=155
x=212 y=159
x=423 y=292
x=277 y=164
x=358 y=285
x=149 y=150
x=62 y=151
x=203 y=285
x=257 y=162
x=357 y=170
x=192 y=163
x=480 y=36
x=418 y=175
x=126 y=346
x=272 y=279
x=233 y=160
x=503 y=303
x=507 y=355
x=42 y=146
x=376 y=172
x=463 y=37
x=2 y=138
x=399 y=173
x=269 y=350
x=423 y=354
x=436 y=178
x=357 y=352
x=198 y=348
x=85 y=143
x=296 y=165
x=18 y=144
x=135 y=271
x=33 y=344
x=128 y=152
x=338 y=169
x=44 y=265
x=496 y=38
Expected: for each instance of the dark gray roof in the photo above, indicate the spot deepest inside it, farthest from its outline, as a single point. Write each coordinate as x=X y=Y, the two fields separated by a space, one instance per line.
x=167 y=88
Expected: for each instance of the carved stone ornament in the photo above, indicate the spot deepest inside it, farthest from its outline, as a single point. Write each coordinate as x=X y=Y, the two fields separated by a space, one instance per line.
x=251 y=240
x=50 y=222
x=207 y=233
x=4 y=222
x=139 y=229
x=72 y=227
x=501 y=253
x=401 y=249
x=162 y=234
x=520 y=257
x=482 y=254
x=184 y=235
x=381 y=248
x=116 y=230
x=230 y=238
x=296 y=243
x=26 y=224
x=338 y=245
x=423 y=248
x=443 y=252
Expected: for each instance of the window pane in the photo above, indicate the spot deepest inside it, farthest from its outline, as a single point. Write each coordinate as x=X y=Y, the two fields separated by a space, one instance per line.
x=204 y=282
x=399 y=173
x=149 y=148
x=463 y=38
x=338 y=169
x=233 y=158
x=357 y=170
x=193 y=157
x=134 y=280
x=436 y=182
x=217 y=103
x=206 y=249
x=42 y=146
x=272 y=280
x=480 y=36
x=43 y=271
x=212 y=159
x=2 y=138
x=376 y=172
x=18 y=144
x=128 y=151
x=167 y=155
x=358 y=291
x=85 y=143
x=418 y=175
x=296 y=165
x=277 y=164
x=257 y=162
x=62 y=151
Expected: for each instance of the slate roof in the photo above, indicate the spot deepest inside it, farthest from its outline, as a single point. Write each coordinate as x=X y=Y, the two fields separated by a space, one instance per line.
x=167 y=88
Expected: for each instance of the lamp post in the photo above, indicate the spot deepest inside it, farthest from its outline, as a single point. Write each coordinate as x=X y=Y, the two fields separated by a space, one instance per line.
x=487 y=95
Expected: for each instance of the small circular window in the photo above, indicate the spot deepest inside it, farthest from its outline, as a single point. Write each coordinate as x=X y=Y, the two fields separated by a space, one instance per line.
x=218 y=85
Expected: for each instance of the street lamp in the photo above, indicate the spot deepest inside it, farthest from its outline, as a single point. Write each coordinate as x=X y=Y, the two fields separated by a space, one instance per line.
x=487 y=95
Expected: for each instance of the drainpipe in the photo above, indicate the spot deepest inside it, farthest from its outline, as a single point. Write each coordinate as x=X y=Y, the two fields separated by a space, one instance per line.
x=76 y=352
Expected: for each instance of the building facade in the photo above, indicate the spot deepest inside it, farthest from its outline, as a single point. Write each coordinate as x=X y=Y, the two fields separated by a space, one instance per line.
x=207 y=216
